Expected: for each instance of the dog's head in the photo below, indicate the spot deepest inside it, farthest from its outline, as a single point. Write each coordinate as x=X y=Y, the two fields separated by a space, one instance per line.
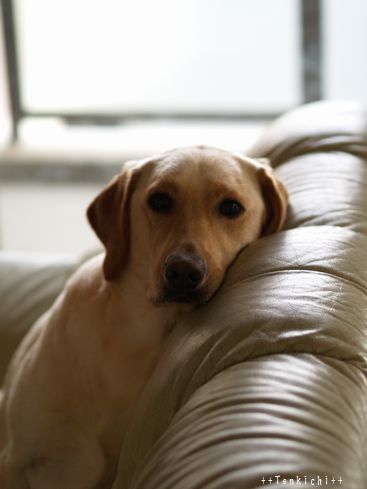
x=178 y=221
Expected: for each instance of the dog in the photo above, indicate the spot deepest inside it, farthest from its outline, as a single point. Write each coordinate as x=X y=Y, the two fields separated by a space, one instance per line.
x=171 y=226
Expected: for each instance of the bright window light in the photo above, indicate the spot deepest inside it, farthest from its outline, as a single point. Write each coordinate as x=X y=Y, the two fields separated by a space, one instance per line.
x=345 y=41
x=177 y=56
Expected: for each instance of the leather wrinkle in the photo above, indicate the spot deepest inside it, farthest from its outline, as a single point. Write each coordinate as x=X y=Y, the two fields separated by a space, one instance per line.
x=186 y=433
x=326 y=143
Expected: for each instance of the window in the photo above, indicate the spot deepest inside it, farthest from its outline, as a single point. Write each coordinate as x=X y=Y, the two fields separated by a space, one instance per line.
x=87 y=59
x=107 y=62
x=161 y=56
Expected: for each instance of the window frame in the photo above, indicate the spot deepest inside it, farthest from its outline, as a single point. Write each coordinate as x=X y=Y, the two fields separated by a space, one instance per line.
x=311 y=89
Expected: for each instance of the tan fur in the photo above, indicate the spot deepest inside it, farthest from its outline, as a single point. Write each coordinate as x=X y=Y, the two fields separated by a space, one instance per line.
x=76 y=378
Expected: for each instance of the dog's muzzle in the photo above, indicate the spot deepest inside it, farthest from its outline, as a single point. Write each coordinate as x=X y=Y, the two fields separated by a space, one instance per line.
x=183 y=276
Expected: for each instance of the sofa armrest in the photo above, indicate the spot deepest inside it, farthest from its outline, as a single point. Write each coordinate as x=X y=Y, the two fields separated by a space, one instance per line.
x=298 y=299
x=269 y=378
x=275 y=418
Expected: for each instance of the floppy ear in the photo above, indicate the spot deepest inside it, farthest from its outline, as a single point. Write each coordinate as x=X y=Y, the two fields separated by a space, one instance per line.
x=109 y=216
x=275 y=196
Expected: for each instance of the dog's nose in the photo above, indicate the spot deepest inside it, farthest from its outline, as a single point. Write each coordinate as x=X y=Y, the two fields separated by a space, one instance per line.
x=184 y=272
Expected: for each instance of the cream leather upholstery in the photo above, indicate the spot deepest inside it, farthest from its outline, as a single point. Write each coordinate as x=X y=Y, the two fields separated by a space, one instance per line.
x=269 y=379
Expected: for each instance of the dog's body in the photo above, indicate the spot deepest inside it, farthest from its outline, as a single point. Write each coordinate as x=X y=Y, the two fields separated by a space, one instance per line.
x=75 y=379
x=171 y=226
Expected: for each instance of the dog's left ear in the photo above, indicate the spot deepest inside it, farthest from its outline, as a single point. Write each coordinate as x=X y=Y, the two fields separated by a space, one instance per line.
x=275 y=196
x=109 y=216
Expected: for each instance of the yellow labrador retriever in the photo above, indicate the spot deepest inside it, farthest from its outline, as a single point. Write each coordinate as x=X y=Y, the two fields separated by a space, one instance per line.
x=171 y=226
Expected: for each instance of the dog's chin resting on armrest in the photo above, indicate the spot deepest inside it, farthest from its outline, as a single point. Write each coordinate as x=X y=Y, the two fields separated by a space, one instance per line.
x=171 y=225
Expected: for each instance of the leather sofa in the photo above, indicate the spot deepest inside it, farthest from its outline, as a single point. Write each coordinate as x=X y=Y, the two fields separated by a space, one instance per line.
x=266 y=385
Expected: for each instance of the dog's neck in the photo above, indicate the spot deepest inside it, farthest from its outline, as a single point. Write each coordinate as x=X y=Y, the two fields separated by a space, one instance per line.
x=140 y=312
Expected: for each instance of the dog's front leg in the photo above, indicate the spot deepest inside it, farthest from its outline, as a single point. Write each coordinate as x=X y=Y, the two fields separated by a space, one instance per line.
x=79 y=463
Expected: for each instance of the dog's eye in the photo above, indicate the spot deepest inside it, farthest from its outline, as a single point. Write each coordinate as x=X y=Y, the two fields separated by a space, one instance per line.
x=230 y=208
x=160 y=202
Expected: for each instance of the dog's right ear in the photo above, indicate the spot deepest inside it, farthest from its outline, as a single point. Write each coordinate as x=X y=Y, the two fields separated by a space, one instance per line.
x=275 y=197
x=109 y=216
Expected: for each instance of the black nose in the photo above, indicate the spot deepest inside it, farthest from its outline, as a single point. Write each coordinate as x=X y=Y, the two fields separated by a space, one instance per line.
x=184 y=272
